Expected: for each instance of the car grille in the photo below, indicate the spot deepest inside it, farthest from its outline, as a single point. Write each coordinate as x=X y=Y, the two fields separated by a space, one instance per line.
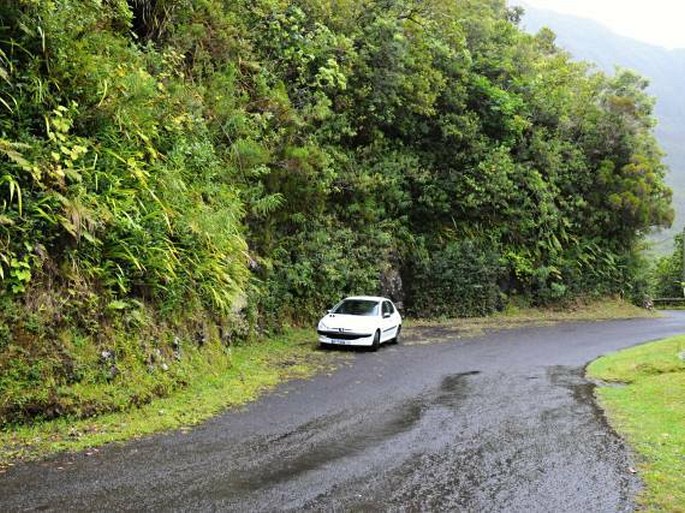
x=342 y=336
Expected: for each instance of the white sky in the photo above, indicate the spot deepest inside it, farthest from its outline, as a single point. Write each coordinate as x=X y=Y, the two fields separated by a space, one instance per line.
x=659 y=22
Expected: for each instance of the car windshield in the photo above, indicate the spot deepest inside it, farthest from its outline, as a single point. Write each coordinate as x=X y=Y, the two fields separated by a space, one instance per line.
x=357 y=307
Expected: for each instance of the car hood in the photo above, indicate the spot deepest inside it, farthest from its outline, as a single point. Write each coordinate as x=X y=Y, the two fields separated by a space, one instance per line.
x=351 y=323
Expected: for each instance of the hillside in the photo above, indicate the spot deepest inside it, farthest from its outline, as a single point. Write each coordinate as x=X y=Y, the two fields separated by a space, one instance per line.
x=664 y=68
x=179 y=177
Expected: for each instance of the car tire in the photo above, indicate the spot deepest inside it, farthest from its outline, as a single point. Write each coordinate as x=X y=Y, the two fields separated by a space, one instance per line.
x=396 y=340
x=323 y=346
x=376 y=341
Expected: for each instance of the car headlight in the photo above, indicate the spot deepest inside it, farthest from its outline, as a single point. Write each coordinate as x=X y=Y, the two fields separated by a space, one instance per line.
x=322 y=325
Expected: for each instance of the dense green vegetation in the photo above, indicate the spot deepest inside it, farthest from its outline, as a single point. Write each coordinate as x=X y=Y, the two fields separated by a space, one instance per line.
x=177 y=175
x=650 y=410
x=668 y=280
x=591 y=41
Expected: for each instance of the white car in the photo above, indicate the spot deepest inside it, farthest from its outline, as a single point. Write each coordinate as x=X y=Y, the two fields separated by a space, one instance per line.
x=361 y=321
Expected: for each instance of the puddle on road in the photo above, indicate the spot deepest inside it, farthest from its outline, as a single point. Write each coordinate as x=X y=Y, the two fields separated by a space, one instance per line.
x=370 y=431
x=454 y=389
x=608 y=444
x=509 y=454
x=287 y=468
x=548 y=445
x=582 y=391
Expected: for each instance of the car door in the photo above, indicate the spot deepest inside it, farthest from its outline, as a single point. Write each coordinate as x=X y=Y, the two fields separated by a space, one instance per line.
x=389 y=321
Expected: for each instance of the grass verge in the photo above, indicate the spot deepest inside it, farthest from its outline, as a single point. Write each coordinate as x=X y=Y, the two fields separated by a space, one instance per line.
x=248 y=372
x=648 y=407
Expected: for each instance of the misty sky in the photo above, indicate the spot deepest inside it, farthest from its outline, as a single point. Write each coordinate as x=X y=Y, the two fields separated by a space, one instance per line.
x=659 y=22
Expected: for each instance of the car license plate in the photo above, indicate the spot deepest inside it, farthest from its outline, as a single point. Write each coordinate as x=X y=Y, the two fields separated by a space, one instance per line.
x=340 y=341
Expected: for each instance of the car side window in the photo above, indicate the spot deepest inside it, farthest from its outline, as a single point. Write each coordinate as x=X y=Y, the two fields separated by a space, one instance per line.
x=387 y=308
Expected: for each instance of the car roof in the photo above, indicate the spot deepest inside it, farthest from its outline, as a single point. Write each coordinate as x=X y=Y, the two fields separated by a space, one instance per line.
x=367 y=298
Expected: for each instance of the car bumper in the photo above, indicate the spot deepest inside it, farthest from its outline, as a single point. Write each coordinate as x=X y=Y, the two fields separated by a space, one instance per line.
x=347 y=339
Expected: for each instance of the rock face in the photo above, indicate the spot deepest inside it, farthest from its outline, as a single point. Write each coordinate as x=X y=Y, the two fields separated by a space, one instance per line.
x=391 y=284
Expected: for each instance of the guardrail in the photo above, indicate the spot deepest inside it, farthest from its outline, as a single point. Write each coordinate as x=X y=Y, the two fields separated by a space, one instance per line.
x=662 y=301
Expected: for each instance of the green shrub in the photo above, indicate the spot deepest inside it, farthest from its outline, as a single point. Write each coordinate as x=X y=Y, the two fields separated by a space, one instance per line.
x=459 y=280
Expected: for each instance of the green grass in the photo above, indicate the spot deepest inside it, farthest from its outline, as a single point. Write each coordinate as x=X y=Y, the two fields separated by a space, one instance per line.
x=247 y=372
x=650 y=411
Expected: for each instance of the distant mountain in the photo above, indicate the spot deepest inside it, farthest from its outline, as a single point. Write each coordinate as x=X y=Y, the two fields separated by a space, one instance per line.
x=590 y=41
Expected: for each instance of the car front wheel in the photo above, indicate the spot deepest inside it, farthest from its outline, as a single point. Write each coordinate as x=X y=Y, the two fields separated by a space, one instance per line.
x=376 y=341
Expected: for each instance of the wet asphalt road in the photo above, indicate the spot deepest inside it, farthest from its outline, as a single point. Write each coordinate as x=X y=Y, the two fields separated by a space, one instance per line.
x=500 y=422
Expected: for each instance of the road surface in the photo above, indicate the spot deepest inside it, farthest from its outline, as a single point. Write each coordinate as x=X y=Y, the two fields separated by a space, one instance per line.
x=500 y=422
